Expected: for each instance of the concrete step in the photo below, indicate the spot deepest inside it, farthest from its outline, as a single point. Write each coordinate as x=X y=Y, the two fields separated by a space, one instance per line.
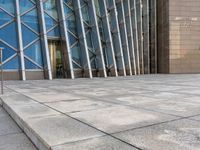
x=46 y=127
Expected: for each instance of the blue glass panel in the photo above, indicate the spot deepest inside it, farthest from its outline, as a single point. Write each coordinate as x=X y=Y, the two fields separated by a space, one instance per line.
x=31 y=20
x=27 y=35
x=7 y=51
x=8 y=34
x=93 y=64
x=75 y=66
x=89 y=42
x=4 y=17
x=30 y=65
x=34 y=52
x=12 y=64
x=85 y=14
x=25 y=5
x=71 y=24
x=76 y=55
x=72 y=39
x=54 y=33
x=66 y=1
x=67 y=10
x=82 y=2
x=50 y=7
x=8 y=5
x=69 y=3
x=50 y=22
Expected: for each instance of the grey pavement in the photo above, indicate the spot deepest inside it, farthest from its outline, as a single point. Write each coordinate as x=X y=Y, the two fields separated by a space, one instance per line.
x=11 y=136
x=150 y=112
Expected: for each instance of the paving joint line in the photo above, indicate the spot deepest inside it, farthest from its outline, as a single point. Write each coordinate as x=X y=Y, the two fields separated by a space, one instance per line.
x=14 y=133
x=84 y=123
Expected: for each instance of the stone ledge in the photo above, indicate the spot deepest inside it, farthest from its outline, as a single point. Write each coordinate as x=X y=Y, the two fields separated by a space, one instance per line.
x=44 y=126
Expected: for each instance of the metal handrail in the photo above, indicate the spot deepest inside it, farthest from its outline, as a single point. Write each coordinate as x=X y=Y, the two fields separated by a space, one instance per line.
x=1 y=59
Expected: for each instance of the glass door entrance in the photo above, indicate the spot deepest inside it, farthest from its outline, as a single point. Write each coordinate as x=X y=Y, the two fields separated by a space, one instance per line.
x=56 y=59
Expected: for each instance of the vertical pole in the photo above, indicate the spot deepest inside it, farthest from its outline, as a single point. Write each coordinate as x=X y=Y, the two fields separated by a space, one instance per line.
x=108 y=36
x=82 y=35
x=21 y=49
x=128 y=21
x=96 y=35
x=44 y=39
x=114 y=26
x=65 y=37
x=1 y=53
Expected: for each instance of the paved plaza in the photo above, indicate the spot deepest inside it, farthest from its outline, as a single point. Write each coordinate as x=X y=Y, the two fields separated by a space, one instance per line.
x=11 y=136
x=149 y=112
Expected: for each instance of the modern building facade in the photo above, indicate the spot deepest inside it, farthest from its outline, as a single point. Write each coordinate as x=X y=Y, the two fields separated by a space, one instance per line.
x=178 y=36
x=46 y=39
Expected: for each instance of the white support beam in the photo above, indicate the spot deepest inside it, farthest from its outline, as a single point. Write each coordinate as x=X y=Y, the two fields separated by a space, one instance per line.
x=127 y=12
x=116 y=38
x=108 y=37
x=65 y=38
x=20 y=41
x=44 y=39
x=96 y=37
x=135 y=33
x=82 y=36
x=124 y=37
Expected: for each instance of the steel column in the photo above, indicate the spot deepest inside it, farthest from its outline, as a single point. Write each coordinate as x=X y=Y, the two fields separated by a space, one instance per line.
x=20 y=41
x=108 y=38
x=82 y=36
x=65 y=38
x=116 y=37
x=123 y=36
x=44 y=42
x=130 y=36
x=135 y=33
x=96 y=36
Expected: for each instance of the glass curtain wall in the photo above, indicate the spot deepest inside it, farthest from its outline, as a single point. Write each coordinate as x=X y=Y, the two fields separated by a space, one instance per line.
x=98 y=38
x=9 y=42
x=51 y=19
x=72 y=33
x=105 y=35
x=30 y=35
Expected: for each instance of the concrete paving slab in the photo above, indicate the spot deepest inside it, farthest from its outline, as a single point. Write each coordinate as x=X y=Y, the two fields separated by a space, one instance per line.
x=160 y=87
x=32 y=110
x=92 y=92
x=115 y=119
x=1 y=103
x=31 y=89
x=139 y=93
x=52 y=96
x=131 y=99
x=176 y=135
x=101 y=143
x=192 y=99
x=193 y=91
x=166 y=95
x=17 y=99
x=59 y=129
x=7 y=125
x=195 y=118
x=179 y=108
x=2 y=112
x=78 y=105
x=15 y=142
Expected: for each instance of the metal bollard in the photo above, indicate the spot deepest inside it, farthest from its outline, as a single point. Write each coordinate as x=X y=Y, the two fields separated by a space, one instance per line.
x=1 y=59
